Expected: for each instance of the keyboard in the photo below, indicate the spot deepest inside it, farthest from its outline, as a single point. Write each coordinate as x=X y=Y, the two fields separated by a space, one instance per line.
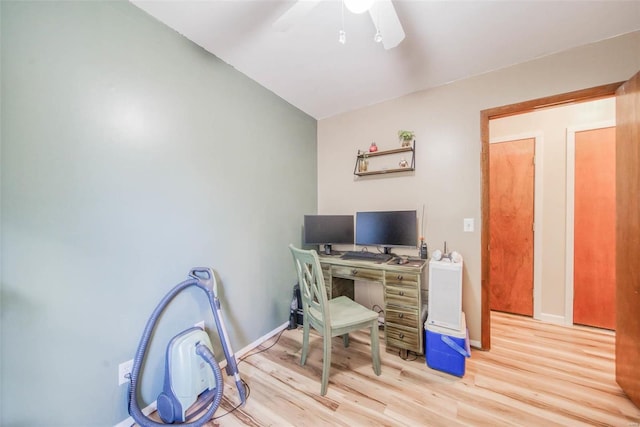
x=371 y=256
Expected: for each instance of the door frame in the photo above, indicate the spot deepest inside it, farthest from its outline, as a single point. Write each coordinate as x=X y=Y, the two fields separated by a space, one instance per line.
x=495 y=113
x=570 y=201
x=537 y=211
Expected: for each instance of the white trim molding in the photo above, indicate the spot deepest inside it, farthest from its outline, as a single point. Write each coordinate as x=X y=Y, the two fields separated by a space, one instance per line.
x=552 y=318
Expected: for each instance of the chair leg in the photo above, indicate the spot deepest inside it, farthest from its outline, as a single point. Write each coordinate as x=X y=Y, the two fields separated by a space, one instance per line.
x=305 y=343
x=375 y=348
x=326 y=363
x=345 y=340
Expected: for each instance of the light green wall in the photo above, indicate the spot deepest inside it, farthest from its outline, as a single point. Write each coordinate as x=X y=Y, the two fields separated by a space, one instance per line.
x=129 y=156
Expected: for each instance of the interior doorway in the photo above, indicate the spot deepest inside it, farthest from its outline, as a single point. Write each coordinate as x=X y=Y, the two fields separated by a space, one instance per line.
x=627 y=97
x=584 y=133
x=486 y=116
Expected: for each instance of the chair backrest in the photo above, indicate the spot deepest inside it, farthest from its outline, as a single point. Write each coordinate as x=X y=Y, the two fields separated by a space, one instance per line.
x=312 y=288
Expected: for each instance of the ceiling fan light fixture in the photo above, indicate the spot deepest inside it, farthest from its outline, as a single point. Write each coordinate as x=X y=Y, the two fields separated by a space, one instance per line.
x=378 y=37
x=358 y=6
x=342 y=37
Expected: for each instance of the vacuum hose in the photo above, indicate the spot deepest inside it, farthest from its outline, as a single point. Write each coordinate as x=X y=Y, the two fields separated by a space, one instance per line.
x=201 y=350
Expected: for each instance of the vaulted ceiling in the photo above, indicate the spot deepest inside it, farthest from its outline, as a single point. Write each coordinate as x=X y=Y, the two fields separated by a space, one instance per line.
x=445 y=41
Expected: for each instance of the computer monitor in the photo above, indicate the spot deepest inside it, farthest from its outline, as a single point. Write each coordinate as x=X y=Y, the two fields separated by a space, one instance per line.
x=328 y=230
x=387 y=229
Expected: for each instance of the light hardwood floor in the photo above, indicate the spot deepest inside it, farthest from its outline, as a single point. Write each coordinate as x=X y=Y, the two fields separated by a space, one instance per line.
x=536 y=374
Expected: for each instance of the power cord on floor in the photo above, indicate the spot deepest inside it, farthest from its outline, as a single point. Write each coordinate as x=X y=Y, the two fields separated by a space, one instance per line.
x=263 y=349
x=244 y=383
x=248 y=392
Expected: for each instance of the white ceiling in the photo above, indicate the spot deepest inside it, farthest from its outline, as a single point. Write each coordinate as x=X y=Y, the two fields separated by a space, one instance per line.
x=445 y=41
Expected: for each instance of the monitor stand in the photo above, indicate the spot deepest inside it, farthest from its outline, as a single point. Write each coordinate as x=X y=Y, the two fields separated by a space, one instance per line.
x=387 y=250
x=329 y=251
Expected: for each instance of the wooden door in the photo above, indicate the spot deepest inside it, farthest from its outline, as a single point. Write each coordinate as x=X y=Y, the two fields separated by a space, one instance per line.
x=511 y=196
x=628 y=237
x=594 y=243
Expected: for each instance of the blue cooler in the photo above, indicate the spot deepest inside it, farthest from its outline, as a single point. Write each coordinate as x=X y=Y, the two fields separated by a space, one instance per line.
x=447 y=349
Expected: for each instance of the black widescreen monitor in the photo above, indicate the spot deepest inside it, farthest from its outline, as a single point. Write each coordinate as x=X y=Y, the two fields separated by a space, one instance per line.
x=327 y=230
x=387 y=229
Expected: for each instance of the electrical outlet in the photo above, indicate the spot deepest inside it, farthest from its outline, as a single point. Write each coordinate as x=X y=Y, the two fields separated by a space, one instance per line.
x=200 y=325
x=123 y=370
x=468 y=224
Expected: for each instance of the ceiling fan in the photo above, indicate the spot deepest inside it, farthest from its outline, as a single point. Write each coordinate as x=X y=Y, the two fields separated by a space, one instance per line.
x=389 y=30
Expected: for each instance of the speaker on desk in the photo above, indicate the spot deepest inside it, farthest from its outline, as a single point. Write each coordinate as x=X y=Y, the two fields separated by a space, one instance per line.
x=445 y=294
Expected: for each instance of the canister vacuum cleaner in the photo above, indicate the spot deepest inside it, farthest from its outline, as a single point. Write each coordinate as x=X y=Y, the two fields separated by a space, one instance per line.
x=188 y=383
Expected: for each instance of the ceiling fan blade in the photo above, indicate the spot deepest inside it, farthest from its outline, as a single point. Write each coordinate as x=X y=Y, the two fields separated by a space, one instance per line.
x=386 y=20
x=296 y=12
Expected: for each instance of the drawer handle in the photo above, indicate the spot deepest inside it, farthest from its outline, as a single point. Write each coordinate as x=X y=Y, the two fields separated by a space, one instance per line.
x=354 y=271
x=399 y=276
x=400 y=315
x=401 y=293
x=401 y=335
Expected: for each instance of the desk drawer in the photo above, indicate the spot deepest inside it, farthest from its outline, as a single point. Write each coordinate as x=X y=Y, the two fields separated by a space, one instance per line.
x=406 y=296
x=400 y=278
x=357 y=273
x=407 y=318
x=402 y=337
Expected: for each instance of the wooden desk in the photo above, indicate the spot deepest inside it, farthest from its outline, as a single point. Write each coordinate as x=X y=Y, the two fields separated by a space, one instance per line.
x=403 y=328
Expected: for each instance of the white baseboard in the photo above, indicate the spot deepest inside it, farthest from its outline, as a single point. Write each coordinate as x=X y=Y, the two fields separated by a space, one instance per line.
x=154 y=405
x=552 y=318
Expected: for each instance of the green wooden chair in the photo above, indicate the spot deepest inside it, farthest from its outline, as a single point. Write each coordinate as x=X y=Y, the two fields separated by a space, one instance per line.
x=330 y=318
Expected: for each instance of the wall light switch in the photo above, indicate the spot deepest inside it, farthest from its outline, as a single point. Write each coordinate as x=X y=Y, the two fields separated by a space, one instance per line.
x=468 y=225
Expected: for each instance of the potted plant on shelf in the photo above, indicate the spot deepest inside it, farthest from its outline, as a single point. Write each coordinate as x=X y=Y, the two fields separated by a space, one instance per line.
x=406 y=137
